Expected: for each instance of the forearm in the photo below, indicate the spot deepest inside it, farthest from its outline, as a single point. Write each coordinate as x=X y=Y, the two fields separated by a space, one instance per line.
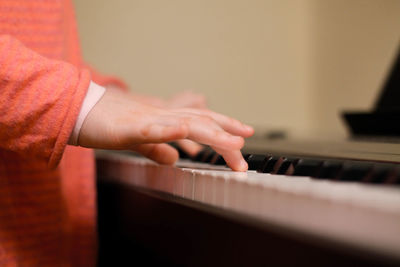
x=39 y=101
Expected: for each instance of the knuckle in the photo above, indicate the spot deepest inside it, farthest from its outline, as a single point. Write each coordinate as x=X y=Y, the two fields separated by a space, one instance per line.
x=145 y=131
x=207 y=119
x=185 y=121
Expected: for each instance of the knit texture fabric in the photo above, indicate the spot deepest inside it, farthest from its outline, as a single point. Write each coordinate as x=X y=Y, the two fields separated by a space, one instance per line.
x=47 y=189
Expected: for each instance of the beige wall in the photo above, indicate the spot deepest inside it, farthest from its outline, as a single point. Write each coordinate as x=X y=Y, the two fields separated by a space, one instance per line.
x=287 y=63
x=353 y=45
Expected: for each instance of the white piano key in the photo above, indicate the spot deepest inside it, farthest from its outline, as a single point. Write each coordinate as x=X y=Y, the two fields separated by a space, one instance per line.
x=153 y=179
x=188 y=184
x=219 y=191
x=179 y=182
x=198 y=189
x=208 y=185
x=166 y=181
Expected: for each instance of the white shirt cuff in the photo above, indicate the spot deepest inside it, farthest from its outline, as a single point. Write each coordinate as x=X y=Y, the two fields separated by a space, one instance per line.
x=93 y=95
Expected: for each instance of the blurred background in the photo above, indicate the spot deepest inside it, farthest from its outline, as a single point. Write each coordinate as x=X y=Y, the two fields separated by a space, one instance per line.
x=282 y=64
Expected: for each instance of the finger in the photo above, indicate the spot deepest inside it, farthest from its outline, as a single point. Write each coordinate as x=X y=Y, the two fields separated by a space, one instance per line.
x=162 y=132
x=190 y=147
x=196 y=101
x=206 y=131
x=229 y=124
x=160 y=153
x=200 y=129
x=234 y=159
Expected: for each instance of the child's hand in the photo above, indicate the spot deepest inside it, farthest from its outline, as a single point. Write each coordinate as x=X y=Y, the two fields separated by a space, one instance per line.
x=186 y=99
x=117 y=121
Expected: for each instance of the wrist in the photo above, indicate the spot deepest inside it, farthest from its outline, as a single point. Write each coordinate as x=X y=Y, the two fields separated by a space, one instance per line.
x=93 y=95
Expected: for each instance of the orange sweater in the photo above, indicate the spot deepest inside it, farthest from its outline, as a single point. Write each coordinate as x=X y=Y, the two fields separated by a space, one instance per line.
x=47 y=204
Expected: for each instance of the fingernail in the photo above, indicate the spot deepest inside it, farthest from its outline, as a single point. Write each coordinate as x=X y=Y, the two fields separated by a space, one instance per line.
x=243 y=165
x=248 y=127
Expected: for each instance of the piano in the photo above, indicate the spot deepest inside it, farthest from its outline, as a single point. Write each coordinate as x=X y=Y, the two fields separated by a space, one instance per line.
x=301 y=203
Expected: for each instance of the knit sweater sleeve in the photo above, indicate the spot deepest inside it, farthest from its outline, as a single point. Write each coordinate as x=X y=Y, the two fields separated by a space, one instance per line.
x=105 y=80
x=40 y=100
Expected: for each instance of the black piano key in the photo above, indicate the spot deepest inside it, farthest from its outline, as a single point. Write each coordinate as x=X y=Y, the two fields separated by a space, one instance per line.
x=254 y=161
x=199 y=155
x=277 y=165
x=330 y=169
x=203 y=154
x=181 y=152
x=394 y=177
x=381 y=172
x=218 y=160
x=396 y=181
x=262 y=165
x=245 y=156
x=355 y=171
x=268 y=166
x=307 y=167
x=287 y=166
x=208 y=158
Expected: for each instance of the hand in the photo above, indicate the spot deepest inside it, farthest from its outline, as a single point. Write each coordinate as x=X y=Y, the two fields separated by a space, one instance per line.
x=117 y=121
x=187 y=99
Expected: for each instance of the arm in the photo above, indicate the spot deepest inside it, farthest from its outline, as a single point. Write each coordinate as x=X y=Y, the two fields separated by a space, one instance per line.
x=39 y=101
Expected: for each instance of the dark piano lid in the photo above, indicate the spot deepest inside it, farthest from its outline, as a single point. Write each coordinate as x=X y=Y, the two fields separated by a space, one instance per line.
x=384 y=120
x=389 y=99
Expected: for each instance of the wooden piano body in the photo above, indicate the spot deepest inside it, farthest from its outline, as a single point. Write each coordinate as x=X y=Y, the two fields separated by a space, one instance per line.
x=197 y=214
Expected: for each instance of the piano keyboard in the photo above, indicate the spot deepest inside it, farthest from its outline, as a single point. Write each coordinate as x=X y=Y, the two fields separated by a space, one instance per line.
x=336 y=208
x=315 y=167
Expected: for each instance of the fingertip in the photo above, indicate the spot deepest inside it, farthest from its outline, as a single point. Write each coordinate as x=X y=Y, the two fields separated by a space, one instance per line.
x=249 y=129
x=234 y=159
x=246 y=131
x=170 y=157
x=242 y=166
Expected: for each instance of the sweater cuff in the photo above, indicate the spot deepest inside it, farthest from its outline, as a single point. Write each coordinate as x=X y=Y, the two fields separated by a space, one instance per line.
x=93 y=95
